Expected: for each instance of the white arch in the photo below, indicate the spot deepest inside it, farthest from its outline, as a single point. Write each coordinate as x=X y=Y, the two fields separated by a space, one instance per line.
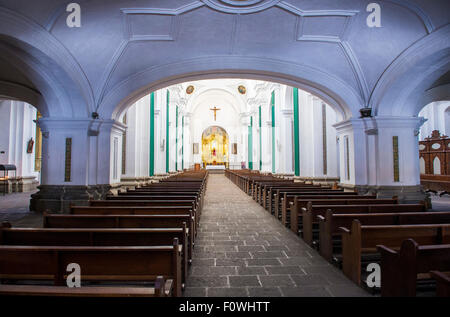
x=332 y=90
x=22 y=93
x=419 y=66
x=67 y=85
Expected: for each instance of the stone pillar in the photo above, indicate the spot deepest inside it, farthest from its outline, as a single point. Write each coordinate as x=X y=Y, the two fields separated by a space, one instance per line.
x=246 y=147
x=381 y=155
x=187 y=148
x=137 y=144
x=318 y=152
x=80 y=161
x=286 y=142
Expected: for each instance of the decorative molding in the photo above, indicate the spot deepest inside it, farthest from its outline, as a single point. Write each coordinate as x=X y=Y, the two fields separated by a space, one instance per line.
x=339 y=39
x=240 y=7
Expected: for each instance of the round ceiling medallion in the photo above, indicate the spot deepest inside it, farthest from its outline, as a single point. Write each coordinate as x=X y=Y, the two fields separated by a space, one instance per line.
x=240 y=6
x=242 y=89
x=190 y=89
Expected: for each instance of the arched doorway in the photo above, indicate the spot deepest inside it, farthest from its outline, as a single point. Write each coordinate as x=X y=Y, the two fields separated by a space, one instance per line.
x=215 y=143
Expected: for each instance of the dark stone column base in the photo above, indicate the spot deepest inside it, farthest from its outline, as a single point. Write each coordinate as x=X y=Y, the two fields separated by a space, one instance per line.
x=318 y=180
x=405 y=194
x=58 y=198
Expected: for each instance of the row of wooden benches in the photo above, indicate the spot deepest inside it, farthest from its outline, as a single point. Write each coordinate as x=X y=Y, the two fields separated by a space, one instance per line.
x=139 y=243
x=353 y=230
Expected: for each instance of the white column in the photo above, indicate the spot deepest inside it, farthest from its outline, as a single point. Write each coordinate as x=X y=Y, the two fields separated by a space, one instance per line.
x=286 y=141
x=371 y=155
x=55 y=132
x=137 y=145
x=188 y=161
x=306 y=127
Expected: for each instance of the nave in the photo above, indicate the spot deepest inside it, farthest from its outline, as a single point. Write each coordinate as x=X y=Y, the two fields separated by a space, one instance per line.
x=195 y=234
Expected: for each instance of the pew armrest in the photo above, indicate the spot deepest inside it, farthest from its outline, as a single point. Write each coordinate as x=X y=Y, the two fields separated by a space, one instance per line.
x=344 y=230
x=385 y=250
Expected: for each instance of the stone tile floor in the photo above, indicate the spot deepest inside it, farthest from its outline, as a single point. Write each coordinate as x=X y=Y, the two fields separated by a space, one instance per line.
x=440 y=203
x=14 y=208
x=242 y=250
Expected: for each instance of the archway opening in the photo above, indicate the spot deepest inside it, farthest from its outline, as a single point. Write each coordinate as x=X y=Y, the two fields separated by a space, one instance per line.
x=229 y=123
x=215 y=146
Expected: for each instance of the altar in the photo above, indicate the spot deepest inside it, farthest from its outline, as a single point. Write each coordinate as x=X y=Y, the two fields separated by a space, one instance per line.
x=215 y=167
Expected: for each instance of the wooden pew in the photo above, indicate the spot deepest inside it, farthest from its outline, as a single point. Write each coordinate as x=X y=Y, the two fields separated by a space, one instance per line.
x=400 y=270
x=161 y=288
x=289 y=202
x=442 y=283
x=98 y=264
x=170 y=197
x=313 y=211
x=122 y=221
x=265 y=188
x=300 y=202
x=330 y=223
x=142 y=203
x=271 y=193
x=309 y=221
x=99 y=237
x=131 y=210
x=319 y=194
x=137 y=210
x=361 y=240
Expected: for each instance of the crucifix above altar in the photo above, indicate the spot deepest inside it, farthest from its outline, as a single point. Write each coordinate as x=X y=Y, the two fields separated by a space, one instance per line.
x=215 y=109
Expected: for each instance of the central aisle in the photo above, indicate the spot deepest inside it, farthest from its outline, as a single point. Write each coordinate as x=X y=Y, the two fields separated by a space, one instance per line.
x=242 y=250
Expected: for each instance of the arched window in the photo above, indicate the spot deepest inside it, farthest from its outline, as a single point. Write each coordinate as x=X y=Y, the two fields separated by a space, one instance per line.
x=437 y=166
x=422 y=166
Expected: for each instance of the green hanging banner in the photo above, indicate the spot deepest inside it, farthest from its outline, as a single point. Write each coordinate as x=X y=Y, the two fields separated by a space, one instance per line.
x=152 y=135
x=260 y=140
x=250 y=144
x=272 y=106
x=296 y=134
x=182 y=143
x=176 y=140
x=167 y=132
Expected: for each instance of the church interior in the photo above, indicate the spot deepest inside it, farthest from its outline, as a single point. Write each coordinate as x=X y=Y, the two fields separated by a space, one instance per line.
x=191 y=149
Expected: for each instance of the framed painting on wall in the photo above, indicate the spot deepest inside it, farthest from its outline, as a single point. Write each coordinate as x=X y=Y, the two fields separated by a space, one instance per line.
x=195 y=148
x=234 y=149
